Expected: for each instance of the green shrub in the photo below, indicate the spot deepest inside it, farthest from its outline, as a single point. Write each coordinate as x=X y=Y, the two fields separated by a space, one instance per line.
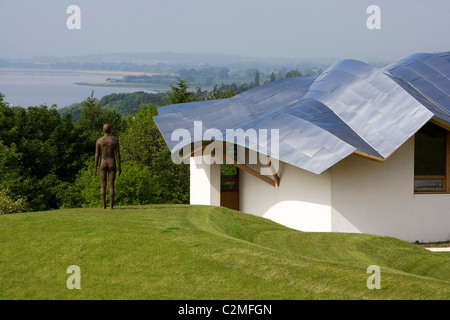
x=135 y=186
x=9 y=204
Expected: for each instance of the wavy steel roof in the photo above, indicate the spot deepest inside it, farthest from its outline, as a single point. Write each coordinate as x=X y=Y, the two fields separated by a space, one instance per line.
x=323 y=119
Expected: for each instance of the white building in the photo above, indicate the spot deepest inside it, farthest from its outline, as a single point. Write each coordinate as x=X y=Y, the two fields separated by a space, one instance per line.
x=358 y=149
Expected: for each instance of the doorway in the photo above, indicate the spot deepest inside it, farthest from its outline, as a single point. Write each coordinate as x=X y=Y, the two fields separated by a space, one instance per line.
x=229 y=186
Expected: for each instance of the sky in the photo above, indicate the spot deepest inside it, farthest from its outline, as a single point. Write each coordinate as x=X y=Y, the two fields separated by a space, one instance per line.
x=254 y=28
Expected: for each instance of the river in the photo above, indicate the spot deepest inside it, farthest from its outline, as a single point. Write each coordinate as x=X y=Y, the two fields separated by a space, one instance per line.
x=34 y=87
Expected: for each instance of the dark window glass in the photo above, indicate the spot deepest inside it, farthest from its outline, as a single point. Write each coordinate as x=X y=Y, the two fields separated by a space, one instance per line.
x=429 y=154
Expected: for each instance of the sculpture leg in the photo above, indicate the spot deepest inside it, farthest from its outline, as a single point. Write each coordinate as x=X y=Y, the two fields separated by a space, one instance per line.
x=111 y=180
x=103 y=177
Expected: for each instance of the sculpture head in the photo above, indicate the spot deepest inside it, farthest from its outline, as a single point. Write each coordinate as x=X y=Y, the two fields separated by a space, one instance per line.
x=106 y=128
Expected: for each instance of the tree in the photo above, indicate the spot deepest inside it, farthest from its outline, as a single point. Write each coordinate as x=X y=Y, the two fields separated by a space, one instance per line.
x=40 y=152
x=180 y=93
x=272 y=77
x=94 y=116
x=8 y=130
x=12 y=174
x=293 y=73
x=141 y=140
x=143 y=144
x=256 y=81
x=219 y=93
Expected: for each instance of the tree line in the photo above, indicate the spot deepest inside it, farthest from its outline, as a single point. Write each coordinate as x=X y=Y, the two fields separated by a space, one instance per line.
x=47 y=159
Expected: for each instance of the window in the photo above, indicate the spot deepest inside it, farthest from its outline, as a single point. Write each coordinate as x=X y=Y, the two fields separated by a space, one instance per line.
x=432 y=160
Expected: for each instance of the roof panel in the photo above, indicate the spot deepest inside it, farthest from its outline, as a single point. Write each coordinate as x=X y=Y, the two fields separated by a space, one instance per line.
x=428 y=89
x=432 y=86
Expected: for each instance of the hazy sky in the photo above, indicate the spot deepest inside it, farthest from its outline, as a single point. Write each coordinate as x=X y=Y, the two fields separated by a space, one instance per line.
x=261 y=28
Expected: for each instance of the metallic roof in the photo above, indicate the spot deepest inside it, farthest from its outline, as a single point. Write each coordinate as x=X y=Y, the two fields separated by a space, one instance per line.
x=426 y=77
x=323 y=119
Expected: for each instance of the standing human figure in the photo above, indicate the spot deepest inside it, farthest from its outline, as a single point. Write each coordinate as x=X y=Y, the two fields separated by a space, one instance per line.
x=107 y=147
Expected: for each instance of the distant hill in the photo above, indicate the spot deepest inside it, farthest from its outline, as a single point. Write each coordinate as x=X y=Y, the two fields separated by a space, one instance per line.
x=164 y=61
x=126 y=103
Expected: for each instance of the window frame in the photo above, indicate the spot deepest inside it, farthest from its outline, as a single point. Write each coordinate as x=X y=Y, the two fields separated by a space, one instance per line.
x=446 y=178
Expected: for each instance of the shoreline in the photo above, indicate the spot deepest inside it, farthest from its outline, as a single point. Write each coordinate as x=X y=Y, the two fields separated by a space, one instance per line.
x=152 y=87
x=102 y=72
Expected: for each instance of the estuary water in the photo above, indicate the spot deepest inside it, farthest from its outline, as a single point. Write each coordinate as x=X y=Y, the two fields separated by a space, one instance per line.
x=34 y=87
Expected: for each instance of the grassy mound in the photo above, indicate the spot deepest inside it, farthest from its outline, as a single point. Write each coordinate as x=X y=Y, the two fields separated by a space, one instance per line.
x=201 y=252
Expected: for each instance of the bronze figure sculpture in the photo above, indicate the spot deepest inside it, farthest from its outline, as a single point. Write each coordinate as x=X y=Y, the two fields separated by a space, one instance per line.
x=107 y=147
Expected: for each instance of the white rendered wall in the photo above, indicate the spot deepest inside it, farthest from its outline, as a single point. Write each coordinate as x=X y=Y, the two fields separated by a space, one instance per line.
x=355 y=195
x=204 y=182
x=378 y=198
x=302 y=201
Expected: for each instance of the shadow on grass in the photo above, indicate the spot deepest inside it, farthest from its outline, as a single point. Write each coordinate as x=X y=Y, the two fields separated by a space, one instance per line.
x=148 y=206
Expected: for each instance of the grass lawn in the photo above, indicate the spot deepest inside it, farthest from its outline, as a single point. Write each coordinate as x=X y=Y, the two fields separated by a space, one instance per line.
x=201 y=252
x=445 y=253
